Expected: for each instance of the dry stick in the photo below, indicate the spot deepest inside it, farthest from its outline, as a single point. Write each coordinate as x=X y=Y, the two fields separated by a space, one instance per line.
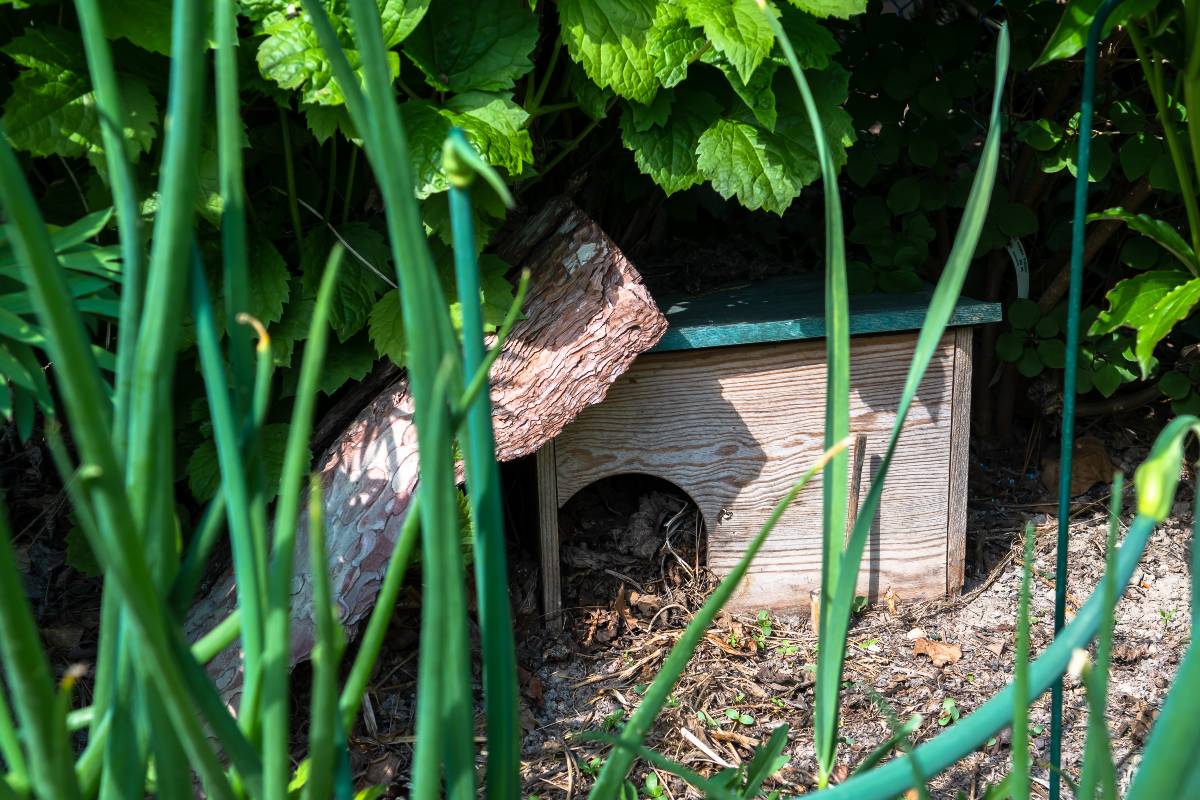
x=1101 y=233
x=860 y=456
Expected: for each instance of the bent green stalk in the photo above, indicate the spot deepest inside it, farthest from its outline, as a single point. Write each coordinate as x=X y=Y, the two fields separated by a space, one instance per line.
x=1071 y=369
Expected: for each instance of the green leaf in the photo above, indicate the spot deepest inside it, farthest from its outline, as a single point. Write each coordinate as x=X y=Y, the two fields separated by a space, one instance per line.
x=608 y=38
x=1030 y=364
x=1099 y=163
x=1071 y=34
x=593 y=100
x=1042 y=135
x=1132 y=300
x=79 y=553
x=268 y=281
x=1010 y=346
x=1023 y=314
x=904 y=195
x=923 y=152
x=146 y=23
x=643 y=118
x=1155 y=229
x=386 y=328
x=495 y=126
x=672 y=43
x=1138 y=154
x=1174 y=385
x=765 y=169
x=1013 y=219
x=668 y=153
x=347 y=361
x=293 y=325
x=427 y=129
x=1174 y=307
x=291 y=56
x=738 y=29
x=842 y=9
x=1052 y=353
x=1107 y=379
x=899 y=281
x=486 y=49
x=204 y=475
x=358 y=285
x=324 y=121
x=757 y=94
x=813 y=42
x=52 y=110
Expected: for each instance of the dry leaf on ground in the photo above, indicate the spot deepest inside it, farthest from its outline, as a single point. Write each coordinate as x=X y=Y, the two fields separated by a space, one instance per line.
x=940 y=653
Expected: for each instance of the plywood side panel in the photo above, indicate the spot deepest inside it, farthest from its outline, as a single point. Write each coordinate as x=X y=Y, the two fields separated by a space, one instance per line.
x=734 y=427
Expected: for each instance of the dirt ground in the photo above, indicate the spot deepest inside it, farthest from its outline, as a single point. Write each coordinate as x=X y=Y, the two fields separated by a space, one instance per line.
x=632 y=581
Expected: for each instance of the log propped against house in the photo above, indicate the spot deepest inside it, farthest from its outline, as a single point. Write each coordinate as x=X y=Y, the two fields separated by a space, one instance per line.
x=586 y=317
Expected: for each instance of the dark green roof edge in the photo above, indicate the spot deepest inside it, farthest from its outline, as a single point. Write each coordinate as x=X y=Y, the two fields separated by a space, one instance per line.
x=790 y=309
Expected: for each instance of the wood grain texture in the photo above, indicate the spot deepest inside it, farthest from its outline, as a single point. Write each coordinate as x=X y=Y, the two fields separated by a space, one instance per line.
x=547 y=486
x=734 y=427
x=587 y=317
x=960 y=438
x=792 y=308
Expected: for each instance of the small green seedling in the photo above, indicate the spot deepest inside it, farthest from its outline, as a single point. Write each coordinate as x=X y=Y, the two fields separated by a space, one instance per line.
x=738 y=716
x=651 y=786
x=949 y=712
x=707 y=719
x=591 y=767
x=613 y=720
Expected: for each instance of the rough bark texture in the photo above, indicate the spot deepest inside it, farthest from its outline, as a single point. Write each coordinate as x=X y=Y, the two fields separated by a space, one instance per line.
x=587 y=317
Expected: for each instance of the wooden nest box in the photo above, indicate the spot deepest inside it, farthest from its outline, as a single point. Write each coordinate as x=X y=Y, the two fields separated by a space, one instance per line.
x=730 y=406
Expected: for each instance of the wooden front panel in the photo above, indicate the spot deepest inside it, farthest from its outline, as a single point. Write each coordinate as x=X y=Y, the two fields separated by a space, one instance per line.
x=735 y=426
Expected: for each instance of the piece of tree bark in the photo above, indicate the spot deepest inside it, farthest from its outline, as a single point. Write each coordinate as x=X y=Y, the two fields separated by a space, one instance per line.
x=586 y=318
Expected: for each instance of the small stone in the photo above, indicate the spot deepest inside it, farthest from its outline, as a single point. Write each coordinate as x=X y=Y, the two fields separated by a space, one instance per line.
x=916 y=633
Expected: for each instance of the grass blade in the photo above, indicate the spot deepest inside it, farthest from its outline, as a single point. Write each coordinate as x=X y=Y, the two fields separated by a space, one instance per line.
x=279 y=601
x=608 y=783
x=355 y=686
x=487 y=514
x=323 y=719
x=1019 y=782
x=226 y=436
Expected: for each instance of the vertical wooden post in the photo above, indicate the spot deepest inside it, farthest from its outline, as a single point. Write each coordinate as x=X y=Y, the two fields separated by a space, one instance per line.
x=547 y=482
x=960 y=435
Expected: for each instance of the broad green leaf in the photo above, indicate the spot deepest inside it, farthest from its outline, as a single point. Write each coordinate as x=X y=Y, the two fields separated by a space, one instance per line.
x=204 y=475
x=672 y=43
x=324 y=121
x=1138 y=154
x=765 y=169
x=1071 y=34
x=293 y=325
x=386 y=328
x=347 y=361
x=1010 y=346
x=757 y=94
x=842 y=9
x=1174 y=385
x=1107 y=378
x=738 y=29
x=291 y=56
x=1023 y=314
x=495 y=126
x=1155 y=229
x=486 y=49
x=1099 y=163
x=52 y=110
x=609 y=39
x=1173 y=308
x=268 y=281
x=593 y=100
x=146 y=23
x=358 y=285
x=1131 y=301
x=904 y=195
x=427 y=129
x=1042 y=135
x=668 y=153
x=1030 y=364
x=1052 y=352
x=813 y=42
x=643 y=118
